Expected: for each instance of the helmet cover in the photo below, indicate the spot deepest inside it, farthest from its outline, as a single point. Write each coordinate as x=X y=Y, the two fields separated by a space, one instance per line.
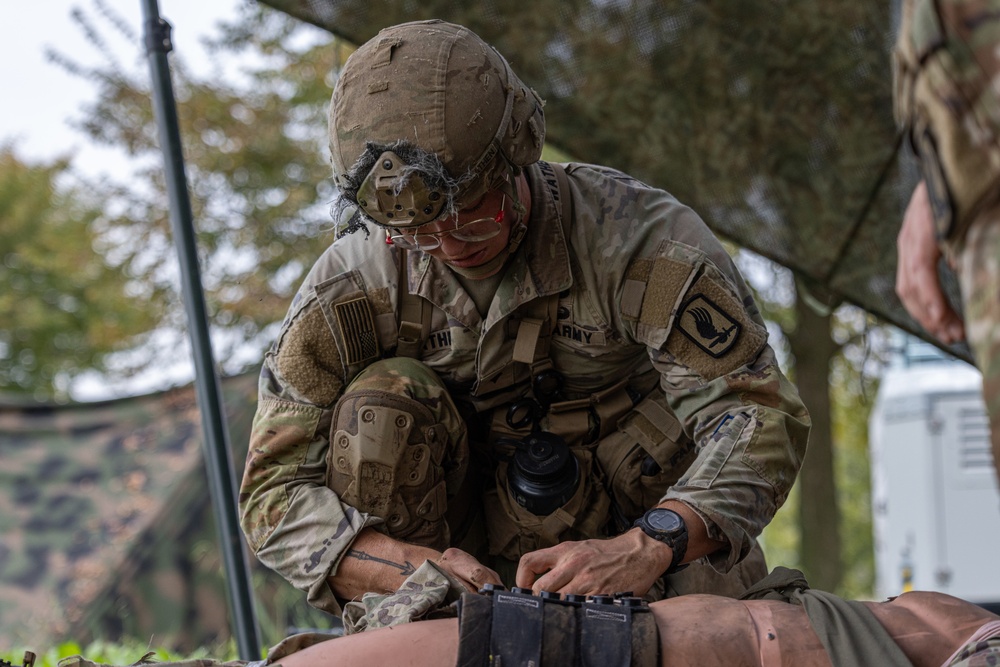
x=435 y=88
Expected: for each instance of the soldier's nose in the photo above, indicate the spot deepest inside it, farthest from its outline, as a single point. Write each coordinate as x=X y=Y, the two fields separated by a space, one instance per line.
x=451 y=246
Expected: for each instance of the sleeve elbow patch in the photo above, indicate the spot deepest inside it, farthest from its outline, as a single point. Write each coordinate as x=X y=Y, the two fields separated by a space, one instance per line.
x=308 y=359
x=279 y=443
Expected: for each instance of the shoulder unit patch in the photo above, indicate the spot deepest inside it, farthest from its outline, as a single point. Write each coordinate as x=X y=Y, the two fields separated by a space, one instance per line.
x=708 y=325
x=713 y=333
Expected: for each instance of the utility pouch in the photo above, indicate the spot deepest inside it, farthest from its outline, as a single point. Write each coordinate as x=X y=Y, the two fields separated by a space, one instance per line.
x=514 y=531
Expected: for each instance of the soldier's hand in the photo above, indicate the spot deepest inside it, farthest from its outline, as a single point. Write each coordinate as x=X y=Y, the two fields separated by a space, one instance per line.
x=467 y=569
x=917 y=283
x=630 y=562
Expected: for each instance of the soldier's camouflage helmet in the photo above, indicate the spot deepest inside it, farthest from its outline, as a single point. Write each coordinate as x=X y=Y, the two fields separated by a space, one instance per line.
x=438 y=88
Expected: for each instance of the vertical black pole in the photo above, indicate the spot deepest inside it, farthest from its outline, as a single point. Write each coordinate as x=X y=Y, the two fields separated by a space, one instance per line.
x=218 y=459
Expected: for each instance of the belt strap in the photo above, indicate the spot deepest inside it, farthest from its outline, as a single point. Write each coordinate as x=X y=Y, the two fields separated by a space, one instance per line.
x=606 y=635
x=535 y=333
x=608 y=405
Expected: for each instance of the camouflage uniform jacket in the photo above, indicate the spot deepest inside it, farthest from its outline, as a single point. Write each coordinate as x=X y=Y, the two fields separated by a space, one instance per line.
x=645 y=291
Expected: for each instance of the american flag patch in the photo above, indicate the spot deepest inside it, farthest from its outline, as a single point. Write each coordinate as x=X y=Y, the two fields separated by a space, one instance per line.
x=358 y=327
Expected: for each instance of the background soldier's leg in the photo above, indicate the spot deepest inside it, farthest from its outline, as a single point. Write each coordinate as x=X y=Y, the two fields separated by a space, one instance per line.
x=978 y=268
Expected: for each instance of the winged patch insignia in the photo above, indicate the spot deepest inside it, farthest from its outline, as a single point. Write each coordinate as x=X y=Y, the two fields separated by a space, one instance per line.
x=708 y=326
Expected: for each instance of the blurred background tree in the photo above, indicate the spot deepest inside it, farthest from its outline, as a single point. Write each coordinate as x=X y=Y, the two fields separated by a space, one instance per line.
x=89 y=271
x=63 y=305
x=254 y=142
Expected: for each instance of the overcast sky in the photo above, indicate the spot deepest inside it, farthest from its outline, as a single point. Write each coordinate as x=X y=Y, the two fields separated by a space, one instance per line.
x=39 y=98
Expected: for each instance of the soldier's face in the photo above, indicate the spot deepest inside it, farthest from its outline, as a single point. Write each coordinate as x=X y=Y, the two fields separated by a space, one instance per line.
x=470 y=254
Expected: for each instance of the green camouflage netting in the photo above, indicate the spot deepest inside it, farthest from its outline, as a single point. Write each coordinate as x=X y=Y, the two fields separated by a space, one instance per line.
x=773 y=120
x=107 y=526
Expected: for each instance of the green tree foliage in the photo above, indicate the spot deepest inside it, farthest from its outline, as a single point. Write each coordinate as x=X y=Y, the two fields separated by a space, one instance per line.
x=63 y=306
x=254 y=142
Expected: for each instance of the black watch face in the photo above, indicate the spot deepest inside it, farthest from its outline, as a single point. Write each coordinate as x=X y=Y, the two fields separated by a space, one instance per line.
x=664 y=520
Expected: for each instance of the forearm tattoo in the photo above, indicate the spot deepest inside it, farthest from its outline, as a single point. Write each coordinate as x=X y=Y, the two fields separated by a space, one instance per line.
x=405 y=568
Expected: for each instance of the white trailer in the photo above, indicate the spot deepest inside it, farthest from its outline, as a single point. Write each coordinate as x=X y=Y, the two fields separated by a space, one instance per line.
x=935 y=499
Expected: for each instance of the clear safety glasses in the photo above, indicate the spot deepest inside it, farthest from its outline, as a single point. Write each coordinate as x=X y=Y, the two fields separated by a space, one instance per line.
x=481 y=229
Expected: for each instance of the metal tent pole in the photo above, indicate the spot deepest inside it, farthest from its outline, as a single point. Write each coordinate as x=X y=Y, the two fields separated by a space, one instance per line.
x=218 y=458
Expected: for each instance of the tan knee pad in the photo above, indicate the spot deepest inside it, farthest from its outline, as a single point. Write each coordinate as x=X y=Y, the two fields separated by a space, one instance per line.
x=392 y=457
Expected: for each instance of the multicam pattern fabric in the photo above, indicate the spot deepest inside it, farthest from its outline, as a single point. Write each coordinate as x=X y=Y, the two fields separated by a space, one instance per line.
x=982 y=649
x=613 y=269
x=105 y=520
x=978 y=268
x=948 y=100
x=470 y=106
x=425 y=594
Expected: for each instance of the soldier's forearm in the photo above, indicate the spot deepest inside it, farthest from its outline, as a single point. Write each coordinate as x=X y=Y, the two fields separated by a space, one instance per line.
x=699 y=543
x=377 y=563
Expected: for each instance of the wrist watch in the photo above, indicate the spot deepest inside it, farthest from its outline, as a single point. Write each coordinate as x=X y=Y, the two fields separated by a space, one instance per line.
x=668 y=527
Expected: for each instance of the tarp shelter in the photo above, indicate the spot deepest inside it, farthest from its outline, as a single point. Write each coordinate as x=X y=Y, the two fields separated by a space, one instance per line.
x=771 y=119
x=106 y=524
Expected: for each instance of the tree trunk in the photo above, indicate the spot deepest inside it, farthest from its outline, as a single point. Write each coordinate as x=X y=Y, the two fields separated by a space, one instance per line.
x=819 y=514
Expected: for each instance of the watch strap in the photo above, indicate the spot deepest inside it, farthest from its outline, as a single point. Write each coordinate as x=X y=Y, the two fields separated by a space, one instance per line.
x=677 y=542
x=679 y=547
